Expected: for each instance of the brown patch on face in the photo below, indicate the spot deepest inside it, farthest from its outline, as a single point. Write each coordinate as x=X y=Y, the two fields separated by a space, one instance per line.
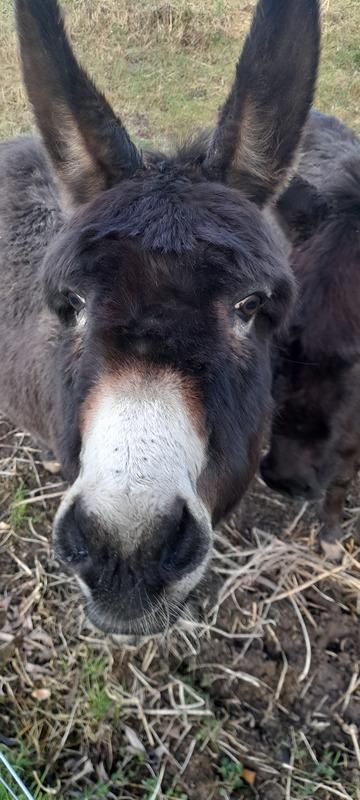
x=194 y=406
x=131 y=379
x=91 y=403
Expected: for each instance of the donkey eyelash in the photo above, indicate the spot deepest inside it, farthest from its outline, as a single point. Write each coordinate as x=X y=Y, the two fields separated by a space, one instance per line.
x=248 y=307
x=76 y=301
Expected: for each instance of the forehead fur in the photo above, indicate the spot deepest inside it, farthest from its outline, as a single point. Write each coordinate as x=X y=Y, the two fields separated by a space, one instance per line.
x=170 y=214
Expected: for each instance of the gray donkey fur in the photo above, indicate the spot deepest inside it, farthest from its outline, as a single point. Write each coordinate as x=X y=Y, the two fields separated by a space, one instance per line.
x=29 y=217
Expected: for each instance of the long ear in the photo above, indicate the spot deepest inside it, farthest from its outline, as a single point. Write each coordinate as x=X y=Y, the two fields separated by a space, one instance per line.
x=301 y=209
x=260 y=125
x=87 y=144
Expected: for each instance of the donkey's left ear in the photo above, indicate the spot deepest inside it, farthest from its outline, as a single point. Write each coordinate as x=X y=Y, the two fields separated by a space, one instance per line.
x=260 y=125
x=88 y=145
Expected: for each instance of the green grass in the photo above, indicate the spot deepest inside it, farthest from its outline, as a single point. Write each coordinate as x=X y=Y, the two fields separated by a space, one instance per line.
x=22 y=763
x=167 y=72
x=231 y=775
x=93 y=681
x=339 y=85
x=93 y=668
x=99 y=702
x=99 y=791
x=329 y=769
x=18 y=510
x=173 y=793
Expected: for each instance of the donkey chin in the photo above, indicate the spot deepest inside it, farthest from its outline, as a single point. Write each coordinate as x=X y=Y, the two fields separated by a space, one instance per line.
x=171 y=609
x=130 y=615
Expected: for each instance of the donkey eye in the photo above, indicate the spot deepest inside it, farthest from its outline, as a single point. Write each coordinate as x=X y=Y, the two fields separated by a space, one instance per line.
x=76 y=301
x=249 y=306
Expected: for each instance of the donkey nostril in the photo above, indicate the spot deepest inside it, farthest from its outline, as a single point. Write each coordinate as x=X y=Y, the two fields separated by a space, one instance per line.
x=176 y=548
x=70 y=542
x=76 y=555
x=265 y=467
x=184 y=548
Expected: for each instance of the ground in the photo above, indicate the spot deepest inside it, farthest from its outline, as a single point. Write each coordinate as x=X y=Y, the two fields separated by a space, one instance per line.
x=260 y=697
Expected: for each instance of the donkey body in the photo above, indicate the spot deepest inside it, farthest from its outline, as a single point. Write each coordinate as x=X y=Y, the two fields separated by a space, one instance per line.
x=315 y=443
x=139 y=296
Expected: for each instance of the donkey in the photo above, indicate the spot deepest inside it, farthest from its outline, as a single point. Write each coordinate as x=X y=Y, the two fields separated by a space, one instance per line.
x=139 y=297
x=315 y=442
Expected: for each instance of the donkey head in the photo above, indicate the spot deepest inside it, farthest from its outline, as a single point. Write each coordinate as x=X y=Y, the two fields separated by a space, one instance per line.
x=168 y=285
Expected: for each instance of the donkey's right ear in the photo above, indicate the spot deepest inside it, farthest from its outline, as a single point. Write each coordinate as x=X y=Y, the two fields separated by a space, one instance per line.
x=261 y=123
x=301 y=209
x=88 y=145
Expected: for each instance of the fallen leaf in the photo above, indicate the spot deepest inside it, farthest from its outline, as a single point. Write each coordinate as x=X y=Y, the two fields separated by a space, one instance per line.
x=249 y=776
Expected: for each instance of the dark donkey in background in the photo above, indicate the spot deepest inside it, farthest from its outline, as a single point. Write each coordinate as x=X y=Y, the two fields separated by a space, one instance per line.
x=315 y=443
x=139 y=295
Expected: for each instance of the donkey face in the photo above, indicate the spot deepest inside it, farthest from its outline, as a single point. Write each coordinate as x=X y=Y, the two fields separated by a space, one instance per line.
x=170 y=384
x=168 y=284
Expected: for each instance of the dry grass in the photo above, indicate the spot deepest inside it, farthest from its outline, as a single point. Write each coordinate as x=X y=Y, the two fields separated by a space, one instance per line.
x=83 y=718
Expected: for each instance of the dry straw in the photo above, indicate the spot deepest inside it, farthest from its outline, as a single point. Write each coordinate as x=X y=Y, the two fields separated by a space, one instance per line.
x=47 y=646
